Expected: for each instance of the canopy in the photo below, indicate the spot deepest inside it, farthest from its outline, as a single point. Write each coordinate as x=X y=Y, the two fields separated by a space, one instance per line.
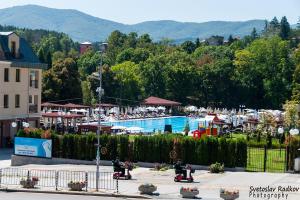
x=49 y=105
x=71 y=105
x=156 y=101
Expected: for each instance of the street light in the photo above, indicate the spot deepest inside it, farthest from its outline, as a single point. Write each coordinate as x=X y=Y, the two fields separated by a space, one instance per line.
x=280 y=132
x=103 y=48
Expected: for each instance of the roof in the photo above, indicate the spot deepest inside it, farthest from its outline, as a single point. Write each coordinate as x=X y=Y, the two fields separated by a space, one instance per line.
x=6 y=33
x=86 y=43
x=160 y=102
x=106 y=105
x=27 y=58
x=47 y=104
x=71 y=105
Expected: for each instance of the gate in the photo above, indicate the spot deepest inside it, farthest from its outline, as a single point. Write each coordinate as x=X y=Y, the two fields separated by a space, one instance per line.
x=266 y=159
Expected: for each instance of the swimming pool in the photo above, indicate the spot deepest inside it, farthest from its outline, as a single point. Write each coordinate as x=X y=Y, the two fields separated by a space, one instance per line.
x=178 y=123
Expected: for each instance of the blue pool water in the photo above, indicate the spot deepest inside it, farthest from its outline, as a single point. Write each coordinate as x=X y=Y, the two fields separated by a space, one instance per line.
x=178 y=123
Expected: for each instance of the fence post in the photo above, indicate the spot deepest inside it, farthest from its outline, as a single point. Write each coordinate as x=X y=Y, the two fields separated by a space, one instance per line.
x=265 y=158
x=0 y=177
x=117 y=184
x=56 y=180
x=28 y=175
x=287 y=158
x=86 y=181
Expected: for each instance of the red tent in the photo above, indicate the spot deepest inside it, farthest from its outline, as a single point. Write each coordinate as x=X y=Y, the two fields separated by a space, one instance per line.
x=156 y=101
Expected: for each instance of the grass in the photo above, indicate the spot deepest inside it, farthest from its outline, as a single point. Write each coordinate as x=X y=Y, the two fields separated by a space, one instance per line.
x=275 y=160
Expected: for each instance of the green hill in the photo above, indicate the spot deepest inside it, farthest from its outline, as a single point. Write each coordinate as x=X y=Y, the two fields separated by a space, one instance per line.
x=82 y=27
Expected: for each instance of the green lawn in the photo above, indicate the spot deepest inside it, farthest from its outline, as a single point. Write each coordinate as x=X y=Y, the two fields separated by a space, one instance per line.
x=275 y=160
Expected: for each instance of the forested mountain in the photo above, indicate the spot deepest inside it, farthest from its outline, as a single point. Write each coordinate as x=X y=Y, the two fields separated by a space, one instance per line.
x=81 y=27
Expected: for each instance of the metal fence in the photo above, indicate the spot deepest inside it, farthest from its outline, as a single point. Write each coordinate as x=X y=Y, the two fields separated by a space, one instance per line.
x=58 y=179
x=266 y=159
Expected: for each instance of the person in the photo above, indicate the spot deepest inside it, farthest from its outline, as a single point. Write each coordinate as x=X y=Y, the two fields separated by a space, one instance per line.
x=118 y=166
x=179 y=168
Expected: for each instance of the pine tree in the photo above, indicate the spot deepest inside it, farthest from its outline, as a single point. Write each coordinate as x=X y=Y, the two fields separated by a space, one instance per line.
x=197 y=42
x=298 y=23
x=274 y=24
x=285 y=28
x=230 y=39
x=254 y=34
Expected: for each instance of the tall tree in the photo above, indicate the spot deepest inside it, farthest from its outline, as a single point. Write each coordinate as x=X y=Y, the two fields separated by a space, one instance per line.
x=61 y=81
x=254 y=34
x=285 y=28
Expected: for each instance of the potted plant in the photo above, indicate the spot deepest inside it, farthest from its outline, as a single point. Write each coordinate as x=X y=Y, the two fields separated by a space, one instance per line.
x=147 y=188
x=189 y=192
x=229 y=195
x=29 y=183
x=76 y=186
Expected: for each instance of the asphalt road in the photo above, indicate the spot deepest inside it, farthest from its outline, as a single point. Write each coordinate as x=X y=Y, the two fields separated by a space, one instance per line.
x=38 y=196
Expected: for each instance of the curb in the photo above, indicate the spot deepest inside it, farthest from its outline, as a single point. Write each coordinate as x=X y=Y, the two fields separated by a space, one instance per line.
x=76 y=193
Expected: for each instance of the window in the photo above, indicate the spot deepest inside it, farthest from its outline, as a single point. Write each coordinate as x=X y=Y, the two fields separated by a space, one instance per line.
x=5 y=105
x=36 y=99
x=13 y=49
x=30 y=99
x=6 y=75
x=34 y=79
x=17 y=101
x=18 y=78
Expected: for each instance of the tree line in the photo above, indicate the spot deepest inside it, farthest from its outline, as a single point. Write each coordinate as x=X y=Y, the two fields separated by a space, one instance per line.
x=260 y=70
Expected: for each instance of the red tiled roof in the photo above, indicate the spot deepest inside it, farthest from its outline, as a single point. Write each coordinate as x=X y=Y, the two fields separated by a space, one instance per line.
x=106 y=105
x=71 y=105
x=160 y=102
x=48 y=104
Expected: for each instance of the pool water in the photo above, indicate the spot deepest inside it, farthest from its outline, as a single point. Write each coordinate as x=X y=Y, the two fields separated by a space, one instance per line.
x=149 y=125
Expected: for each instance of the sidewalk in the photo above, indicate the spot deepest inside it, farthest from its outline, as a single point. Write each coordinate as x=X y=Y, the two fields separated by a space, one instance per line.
x=5 y=155
x=207 y=183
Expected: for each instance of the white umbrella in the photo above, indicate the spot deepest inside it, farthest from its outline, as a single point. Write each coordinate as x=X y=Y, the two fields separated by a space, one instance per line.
x=150 y=108
x=161 y=108
x=83 y=111
x=118 y=128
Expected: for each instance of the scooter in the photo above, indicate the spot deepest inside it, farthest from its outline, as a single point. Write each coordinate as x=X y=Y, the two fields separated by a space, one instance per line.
x=181 y=176
x=122 y=172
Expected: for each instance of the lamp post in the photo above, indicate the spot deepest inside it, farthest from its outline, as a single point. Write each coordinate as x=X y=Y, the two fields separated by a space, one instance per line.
x=280 y=132
x=103 y=47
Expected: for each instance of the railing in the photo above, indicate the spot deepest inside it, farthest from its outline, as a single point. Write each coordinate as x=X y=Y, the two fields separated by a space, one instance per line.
x=58 y=179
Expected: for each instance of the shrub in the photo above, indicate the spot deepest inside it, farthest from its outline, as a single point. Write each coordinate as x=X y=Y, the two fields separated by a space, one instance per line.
x=216 y=168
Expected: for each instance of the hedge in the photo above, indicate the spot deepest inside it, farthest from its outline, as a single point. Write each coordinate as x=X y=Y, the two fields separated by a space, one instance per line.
x=157 y=148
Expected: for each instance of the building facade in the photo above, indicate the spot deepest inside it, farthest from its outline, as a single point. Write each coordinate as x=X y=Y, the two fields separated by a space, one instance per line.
x=20 y=86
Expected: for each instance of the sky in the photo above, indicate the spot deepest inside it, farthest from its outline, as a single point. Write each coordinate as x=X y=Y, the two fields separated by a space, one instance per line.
x=135 y=11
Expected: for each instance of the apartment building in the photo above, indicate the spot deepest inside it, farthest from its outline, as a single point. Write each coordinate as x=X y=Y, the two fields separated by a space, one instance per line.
x=20 y=86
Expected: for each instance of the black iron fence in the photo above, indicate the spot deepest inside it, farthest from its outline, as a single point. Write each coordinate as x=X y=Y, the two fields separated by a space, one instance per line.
x=57 y=179
x=266 y=159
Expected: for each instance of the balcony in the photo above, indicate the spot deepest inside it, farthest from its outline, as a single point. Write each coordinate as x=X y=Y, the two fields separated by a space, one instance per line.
x=33 y=108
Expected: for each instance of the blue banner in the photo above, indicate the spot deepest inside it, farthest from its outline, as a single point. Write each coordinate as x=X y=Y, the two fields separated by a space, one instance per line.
x=33 y=147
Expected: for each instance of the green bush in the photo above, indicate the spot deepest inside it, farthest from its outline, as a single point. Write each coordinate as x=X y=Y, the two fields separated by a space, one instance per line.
x=156 y=148
x=216 y=168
